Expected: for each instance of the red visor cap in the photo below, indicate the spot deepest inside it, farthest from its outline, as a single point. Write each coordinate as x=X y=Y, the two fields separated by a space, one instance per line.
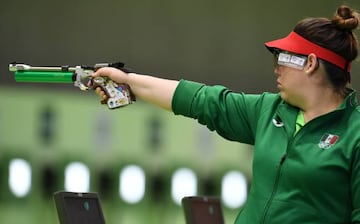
x=299 y=45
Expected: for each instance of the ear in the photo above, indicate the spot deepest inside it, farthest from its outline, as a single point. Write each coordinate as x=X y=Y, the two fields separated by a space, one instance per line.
x=312 y=63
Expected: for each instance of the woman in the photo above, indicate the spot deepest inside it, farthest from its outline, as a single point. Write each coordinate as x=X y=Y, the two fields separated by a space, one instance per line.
x=306 y=139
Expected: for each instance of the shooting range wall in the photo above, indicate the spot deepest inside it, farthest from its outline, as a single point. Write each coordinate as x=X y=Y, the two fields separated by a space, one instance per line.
x=52 y=129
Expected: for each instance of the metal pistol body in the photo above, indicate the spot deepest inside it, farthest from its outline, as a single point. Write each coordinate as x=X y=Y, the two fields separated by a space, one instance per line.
x=119 y=95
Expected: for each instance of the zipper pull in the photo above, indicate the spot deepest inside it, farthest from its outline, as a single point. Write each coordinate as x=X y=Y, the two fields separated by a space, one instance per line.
x=283 y=158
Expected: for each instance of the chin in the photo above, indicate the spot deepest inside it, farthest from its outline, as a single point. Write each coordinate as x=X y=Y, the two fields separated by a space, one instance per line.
x=287 y=100
x=283 y=95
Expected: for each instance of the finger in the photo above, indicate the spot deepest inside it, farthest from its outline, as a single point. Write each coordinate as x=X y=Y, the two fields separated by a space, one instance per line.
x=99 y=72
x=89 y=83
x=96 y=73
x=103 y=95
x=98 y=90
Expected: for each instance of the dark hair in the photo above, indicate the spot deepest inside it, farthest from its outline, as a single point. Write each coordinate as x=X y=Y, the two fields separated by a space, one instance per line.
x=335 y=35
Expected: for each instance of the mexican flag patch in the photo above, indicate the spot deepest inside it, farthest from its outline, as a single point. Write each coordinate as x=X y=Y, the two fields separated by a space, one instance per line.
x=327 y=141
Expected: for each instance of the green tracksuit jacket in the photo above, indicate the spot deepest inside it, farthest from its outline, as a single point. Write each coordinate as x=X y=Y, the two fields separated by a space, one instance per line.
x=310 y=177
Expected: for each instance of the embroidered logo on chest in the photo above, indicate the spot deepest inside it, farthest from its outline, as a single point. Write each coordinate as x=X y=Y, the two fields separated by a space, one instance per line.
x=327 y=141
x=277 y=122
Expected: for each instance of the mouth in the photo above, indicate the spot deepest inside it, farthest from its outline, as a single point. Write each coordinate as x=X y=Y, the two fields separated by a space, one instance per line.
x=280 y=87
x=278 y=84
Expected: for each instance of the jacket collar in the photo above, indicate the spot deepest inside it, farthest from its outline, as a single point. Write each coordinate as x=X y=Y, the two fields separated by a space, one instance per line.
x=350 y=100
x=286 y=114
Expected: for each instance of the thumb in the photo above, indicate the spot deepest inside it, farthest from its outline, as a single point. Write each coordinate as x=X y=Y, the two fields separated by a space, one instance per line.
x=99 y=72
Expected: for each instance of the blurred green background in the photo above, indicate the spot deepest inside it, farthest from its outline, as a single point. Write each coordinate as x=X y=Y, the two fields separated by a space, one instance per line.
x=51 y=125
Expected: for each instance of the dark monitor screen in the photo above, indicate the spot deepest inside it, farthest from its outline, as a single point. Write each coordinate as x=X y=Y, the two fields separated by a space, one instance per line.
x=75 y=208
x=199 y=210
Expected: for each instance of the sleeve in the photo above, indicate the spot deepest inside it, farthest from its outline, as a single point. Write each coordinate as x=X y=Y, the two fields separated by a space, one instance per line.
x=232 y=115
x=355 y=187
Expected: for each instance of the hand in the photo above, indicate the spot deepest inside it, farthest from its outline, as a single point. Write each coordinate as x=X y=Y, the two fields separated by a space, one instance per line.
x=114 y=74
x=157 y=91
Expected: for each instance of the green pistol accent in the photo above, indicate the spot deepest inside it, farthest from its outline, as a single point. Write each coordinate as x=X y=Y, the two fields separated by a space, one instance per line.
x=46 y=77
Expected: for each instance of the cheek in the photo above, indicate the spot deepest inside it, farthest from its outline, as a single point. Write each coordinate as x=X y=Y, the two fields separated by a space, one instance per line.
x=294 y=82
x=292 y=77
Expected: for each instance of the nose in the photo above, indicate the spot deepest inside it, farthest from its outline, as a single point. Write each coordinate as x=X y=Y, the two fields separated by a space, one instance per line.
x=276 y=70
x=276 y=65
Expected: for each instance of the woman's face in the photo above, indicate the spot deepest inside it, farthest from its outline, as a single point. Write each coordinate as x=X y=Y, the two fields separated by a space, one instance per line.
x=290 y=82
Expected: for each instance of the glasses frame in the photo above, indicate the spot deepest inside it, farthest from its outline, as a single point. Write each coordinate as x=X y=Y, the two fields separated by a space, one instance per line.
x=289 y=59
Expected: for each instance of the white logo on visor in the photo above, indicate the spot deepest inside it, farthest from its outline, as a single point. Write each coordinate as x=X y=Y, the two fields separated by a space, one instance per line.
x=293 y=61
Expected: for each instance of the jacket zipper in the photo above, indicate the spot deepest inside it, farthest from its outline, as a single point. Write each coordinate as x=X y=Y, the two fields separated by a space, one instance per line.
x=274 y=188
